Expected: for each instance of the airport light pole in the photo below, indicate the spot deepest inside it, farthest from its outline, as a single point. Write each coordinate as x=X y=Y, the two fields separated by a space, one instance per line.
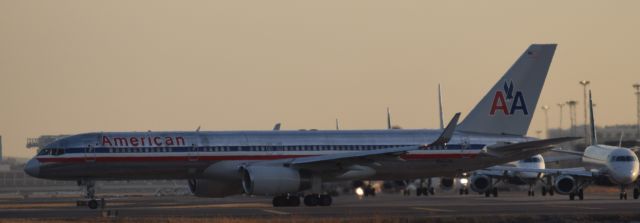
x=637 y=87
x=584 y=84
x=572 y=116
x=560 y=105
x=545 y=108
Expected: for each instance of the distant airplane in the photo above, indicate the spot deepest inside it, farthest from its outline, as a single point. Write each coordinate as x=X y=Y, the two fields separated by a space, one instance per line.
x=287 y=164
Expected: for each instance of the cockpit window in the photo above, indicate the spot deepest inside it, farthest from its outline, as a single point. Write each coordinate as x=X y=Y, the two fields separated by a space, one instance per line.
x=532 y=160
x=44 y=152
x=622 y=159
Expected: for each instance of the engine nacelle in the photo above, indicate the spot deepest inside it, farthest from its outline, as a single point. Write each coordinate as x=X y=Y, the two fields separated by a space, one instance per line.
x=211 y=188
x=565 y=184
x=480 y=183
x=274 y=180
x=447 y=184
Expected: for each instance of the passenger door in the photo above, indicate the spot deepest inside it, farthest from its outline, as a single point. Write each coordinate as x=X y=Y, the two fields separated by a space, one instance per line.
x=193 y=153
x=90 y=154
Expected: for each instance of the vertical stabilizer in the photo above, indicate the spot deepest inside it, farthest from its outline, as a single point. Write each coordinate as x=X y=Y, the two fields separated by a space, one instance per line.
x=594 y=139
x=509 y=106
x=388 y=119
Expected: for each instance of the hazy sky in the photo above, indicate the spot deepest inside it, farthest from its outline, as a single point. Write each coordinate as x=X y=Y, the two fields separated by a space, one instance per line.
x=79 y=66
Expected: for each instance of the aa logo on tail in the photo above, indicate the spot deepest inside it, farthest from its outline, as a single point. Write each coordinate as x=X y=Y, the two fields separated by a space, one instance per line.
x=508 y=101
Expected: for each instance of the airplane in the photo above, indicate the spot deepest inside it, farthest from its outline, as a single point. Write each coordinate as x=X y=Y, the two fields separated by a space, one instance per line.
x=615 y=164
x=482 y=181
x=288 y=164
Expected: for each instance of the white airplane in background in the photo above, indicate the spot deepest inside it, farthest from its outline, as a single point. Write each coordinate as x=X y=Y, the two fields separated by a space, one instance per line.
x=483 y=181
x=287 y=164
x=617 y=164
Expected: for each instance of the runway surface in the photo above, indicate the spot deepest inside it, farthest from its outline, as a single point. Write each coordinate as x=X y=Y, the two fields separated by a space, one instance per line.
x=346 y=206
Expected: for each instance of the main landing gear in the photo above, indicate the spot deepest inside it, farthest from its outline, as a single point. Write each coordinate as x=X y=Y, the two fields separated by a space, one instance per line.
x=547 y=186
x=493 y=191
x=531 y=192
x=546 y=190
x=579 y=193
x=90 y=199
x=422 y=190
x=310 y=200
x=623 y=192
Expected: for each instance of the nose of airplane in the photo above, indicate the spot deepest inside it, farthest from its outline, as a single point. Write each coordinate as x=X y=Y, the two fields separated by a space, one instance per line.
x=32 y=168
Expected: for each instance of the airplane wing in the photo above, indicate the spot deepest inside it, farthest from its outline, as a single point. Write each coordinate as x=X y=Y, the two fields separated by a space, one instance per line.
x=445 y=136
x=559 y=158
x=580 y=172
x=575 y=153
x=504 y=149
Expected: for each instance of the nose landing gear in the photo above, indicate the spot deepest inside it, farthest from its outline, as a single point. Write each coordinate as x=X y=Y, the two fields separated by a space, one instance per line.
x=90 y=199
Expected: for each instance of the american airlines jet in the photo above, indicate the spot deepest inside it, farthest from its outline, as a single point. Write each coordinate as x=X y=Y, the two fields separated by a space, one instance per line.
x=287 y=164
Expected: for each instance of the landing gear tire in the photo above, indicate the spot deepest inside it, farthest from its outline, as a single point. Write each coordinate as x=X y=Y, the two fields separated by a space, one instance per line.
x=551 y=192
x=636 y=193
x=544 y=191
x=495 y=192
x=369 y=191
x=432 y=191
x=293 y=201
x=572 y=196
x=581 y=194
x=466 y=191
x=311 y=200
x=487 y=193
x=92 y=204
x=325 y=200
x=623 y=196
x=418 y=191
x=461 y=191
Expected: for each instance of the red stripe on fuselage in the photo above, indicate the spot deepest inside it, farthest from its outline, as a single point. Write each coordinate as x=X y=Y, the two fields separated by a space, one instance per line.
x=218 y=158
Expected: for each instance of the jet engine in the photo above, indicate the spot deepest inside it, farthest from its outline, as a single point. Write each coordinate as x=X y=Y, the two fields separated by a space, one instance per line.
x=447 y=184
x=480 y=183
x=274 y=180
x=564 y=184
x=212 y=188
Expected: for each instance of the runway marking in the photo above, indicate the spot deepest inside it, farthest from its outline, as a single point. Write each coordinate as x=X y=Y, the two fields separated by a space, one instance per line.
x=276 y=212
x=35 y=205
x=586 y=208
x=231 y=205
x=433 y=209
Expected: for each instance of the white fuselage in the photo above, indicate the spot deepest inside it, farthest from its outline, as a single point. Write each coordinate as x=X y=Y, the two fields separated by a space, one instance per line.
x=620 y=164
x=186 y=155
x=534 y=162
